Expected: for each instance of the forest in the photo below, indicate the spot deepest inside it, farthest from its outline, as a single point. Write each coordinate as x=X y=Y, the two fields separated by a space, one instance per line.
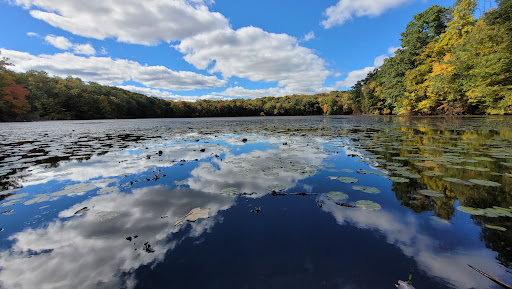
x=449 y=63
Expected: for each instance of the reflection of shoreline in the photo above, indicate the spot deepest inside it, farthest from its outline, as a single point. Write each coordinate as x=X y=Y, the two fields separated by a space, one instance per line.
x=405 y=233
x=82 y=252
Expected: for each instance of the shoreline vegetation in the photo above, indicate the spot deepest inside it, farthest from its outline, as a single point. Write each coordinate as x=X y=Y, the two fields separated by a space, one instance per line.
x=449 y=63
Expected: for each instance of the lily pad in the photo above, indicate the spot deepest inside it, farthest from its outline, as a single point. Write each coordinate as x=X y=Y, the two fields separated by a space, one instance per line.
x=75 y=189
x=364 y=172
x=338 y=196
x=458 y=181
x=179 y=183
x=38 y=199
x=230 y=191
x=368 y=205
x=347 y=180
x=107 y=215
x=499 y=228
x=431 y=173
x=470 y=210
x=369 y=190
x=495 y=212
x=108 y=190
x=194 y=215
x=431 y=193
x=276 y=187
x=347 y=170
x=483 y=159
x=399 y=180
x=485 y=183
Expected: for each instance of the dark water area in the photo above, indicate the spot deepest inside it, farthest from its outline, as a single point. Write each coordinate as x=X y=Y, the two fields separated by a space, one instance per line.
x=285 y=202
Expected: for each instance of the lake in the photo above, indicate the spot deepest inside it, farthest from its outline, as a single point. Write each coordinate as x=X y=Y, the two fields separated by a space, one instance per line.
x=285 y=202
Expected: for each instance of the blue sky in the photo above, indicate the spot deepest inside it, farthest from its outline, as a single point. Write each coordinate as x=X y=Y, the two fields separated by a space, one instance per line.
x=204 y=49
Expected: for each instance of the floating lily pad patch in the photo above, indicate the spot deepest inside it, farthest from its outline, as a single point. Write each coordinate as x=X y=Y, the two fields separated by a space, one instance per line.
x=75 y=189
x=179 y=183
x=108 y=190
x=16 y=196
x=38 y=199
x=432 y=173
x=347 y=170
x=364 y=172
x=230 y=191
x=499 y=228
x=347 y=180
x=338 y=196
x=486 y=159
x=369 y=190
x=276 y=187
x=368 y=205
x=408 y=174
x=107 y=215
x=399 y=180
x=485 y=183
x=470 y=210
x=431 y=193
x=458 y=181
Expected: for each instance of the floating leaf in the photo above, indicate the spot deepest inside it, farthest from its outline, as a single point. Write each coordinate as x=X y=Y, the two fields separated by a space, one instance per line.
x=368 y=205
x=431 y=193
x=347 y=170
x=108 y=190
x=470 y=210
x=483 y=159
x=276 y=187
x=38 y=199
x=179 y=183
x=194 y=215
x=495 y=212
x=409 y=175
x=347 y=180
x=399 y=180
x=107 y=215
x=432 y=173
x=400 y=158
x=458 y=181
x=230 y=191
x=364 y=172
x=338 y=196
x=485 y=183
x=499 y=228
x=369 y=190
x=75 y=189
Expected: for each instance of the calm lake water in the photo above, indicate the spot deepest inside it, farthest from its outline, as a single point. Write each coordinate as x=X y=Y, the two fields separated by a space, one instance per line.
x=292 y=202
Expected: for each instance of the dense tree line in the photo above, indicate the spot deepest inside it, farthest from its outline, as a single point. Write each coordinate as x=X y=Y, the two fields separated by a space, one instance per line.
x=35 y=95
x=448 y=63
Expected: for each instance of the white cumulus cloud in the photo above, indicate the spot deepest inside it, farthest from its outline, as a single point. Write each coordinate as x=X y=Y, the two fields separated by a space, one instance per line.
x=345 y=10
x=59 y=42
x=85 y=49
x=257 y=55
x=158 y=93
x=356 y=75
x=63 y=43
x=240 y=92
x=132 y=21
x=309 y=36
x=108 y=71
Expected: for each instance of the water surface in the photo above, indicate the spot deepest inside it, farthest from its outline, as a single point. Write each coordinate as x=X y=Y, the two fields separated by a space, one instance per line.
x=291 y=202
